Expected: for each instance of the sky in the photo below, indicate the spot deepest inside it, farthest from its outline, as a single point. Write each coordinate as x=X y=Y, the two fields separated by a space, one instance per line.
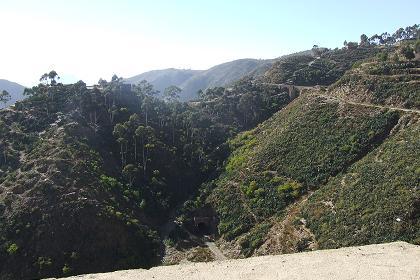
x=91 y=39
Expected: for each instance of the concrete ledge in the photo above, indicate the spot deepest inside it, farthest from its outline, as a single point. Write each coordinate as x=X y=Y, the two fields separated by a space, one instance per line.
x=398 y=260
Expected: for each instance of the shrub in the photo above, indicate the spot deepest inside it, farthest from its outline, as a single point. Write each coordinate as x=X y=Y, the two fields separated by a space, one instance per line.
x=417 y=47
x=293 y=189
x=66 y=269
x=383 y=56
x=407 y=52
x=12 y=249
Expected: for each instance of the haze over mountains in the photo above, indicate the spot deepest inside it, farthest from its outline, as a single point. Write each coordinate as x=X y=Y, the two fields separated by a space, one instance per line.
x=191 y=81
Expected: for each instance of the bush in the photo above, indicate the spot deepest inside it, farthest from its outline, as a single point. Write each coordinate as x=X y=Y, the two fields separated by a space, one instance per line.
x=417 y=47
x=383 y=56
x=66 y=269
x=407 y=52
x=12 y=249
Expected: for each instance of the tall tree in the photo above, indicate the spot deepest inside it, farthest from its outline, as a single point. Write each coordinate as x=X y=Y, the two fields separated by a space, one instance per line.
x=129 y=172
x=364 y=40
x=120 y=131
x=5 y=97
x=171 y=95
x=50 y=78
x=147 y=139
x=145 y=92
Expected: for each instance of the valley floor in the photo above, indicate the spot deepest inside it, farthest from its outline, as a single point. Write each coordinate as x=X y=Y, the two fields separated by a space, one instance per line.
x=398 y=260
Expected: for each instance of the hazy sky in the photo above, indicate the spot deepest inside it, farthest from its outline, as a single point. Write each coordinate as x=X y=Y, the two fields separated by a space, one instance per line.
x=89 y=39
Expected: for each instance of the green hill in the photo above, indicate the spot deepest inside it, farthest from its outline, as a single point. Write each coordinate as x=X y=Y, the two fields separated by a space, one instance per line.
x=316 y=153
x=341 y=151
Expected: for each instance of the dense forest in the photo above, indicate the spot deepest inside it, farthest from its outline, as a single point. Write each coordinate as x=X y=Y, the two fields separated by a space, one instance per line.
x=89 y=175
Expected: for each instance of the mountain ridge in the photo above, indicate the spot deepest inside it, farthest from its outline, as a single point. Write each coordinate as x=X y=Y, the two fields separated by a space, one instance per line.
x=221 y=75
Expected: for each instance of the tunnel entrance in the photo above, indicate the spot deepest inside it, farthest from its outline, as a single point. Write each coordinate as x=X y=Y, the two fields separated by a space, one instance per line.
x=204 y=221
x=203 y=229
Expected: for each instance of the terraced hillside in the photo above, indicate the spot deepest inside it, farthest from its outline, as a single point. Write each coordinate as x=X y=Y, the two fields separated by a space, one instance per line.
x=323 y=68
x=331 y=169
x=393 y=83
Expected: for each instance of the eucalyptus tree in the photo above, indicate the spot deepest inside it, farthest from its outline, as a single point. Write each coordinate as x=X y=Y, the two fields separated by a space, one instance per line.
x=145 y=92
x=129 y=172
x=147 y=139
x=120 y=132
x=5 y=97
x=171 y=96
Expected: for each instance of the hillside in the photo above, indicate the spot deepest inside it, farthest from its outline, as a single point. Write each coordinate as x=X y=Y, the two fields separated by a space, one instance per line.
x=318 y=153
x=225 y=74
x=100 y=170
x=324 y=69
x=15 y=90
x=191 y=81
x=383 y=261
x=329 y=170
x=161 y=79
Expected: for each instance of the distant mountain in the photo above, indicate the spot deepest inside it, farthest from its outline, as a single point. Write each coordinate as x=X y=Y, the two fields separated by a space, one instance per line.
x=191 y=81
x=162 y=79
x=15 y=90
x=223 y=75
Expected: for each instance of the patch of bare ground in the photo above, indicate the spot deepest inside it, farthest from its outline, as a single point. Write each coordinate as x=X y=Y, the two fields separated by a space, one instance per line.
x=289 y=234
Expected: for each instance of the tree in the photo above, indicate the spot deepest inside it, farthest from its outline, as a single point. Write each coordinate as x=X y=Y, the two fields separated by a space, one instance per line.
x=352 y=45
x=120 y=132
x=407 y=52
x=417 y=46
x=171 y=93
x=132 y=124
x=129 y=172
x=5 y=97
x=3 y=143
x=146 y=135
x=50 y=78
x=316 y=50
x=246 y=106
x=364 y=40
x=145 y=92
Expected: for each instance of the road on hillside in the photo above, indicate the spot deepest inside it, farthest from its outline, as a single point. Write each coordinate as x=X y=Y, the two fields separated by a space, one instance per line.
x=392 y=108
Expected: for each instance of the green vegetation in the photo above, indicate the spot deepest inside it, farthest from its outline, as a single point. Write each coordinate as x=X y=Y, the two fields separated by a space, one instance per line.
x=99 y=170
x=383 y=81
x=376 y=199
x=116 y=159
x=324 y=70
x=296 y=150
x=66 y=269
x=12 y=249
